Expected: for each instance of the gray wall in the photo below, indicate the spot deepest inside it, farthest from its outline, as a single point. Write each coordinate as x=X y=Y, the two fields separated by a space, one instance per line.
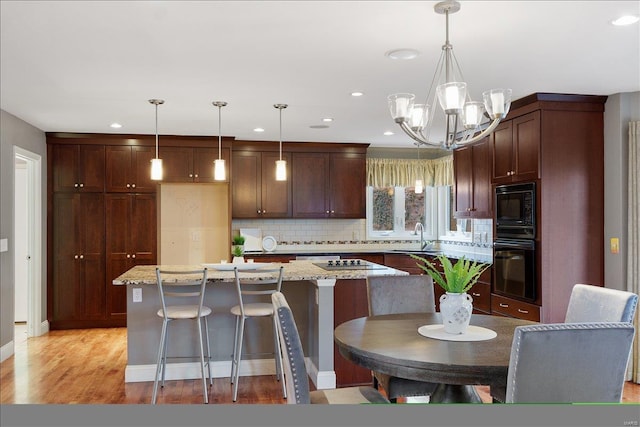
x=16 y=132
x=619 y=110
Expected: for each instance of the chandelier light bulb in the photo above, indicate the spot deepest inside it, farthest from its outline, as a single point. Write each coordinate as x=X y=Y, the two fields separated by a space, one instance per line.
x=418 y=187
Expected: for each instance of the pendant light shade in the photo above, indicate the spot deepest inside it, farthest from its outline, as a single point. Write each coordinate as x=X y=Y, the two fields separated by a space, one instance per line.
x=281 y=165
x=219 y=172
x=156 y=164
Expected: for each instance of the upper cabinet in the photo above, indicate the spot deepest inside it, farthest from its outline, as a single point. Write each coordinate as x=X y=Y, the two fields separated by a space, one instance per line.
x=515 y=148
x=256 y=193
x=472 y=169
x=329 y=185
x=128 y=169
x=188 y=164
x=78 y=168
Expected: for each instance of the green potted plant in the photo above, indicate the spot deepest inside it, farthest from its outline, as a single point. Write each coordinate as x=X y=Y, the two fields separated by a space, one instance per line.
x=456 y=279
x=237 y=249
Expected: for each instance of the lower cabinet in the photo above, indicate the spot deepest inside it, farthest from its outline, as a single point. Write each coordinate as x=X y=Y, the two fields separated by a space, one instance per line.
x=508 y=307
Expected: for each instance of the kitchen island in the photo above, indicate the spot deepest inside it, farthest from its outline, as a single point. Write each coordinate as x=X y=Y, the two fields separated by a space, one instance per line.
x=308 y=287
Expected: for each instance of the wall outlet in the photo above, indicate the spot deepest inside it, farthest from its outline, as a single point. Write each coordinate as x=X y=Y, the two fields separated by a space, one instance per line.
x=137 y=294
x=4 y=245
x=615 y=245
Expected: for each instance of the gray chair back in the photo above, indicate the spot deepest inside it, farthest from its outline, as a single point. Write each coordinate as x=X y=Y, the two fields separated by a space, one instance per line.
x=295 y=371
x=189 y=292
x=569 y=362
x=400 y=294
x=590 y=303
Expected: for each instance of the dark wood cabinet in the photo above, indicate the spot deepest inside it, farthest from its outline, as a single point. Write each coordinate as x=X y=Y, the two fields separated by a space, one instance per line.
x=78 y=292
x=191 y=164
x=329 y=185
x=131 y=239
x=515 y=149
x=503 y=306
x=472 y=170
x=256 y=193
x=128 y=169
x=78 y=167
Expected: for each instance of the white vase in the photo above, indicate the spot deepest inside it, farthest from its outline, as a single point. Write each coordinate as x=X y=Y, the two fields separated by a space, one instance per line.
x=455 y=310
x=238 y=260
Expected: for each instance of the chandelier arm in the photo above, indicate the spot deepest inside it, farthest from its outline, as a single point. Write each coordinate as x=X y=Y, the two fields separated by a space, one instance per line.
x=482 y=134
x=415 y=136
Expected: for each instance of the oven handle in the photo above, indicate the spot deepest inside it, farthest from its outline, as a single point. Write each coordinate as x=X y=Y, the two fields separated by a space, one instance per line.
x=518 y=244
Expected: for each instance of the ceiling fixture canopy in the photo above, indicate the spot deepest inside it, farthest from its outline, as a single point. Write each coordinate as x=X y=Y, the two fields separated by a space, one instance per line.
x=463 y=117
x=219 y=173
x=281 y=165
x=156 y=164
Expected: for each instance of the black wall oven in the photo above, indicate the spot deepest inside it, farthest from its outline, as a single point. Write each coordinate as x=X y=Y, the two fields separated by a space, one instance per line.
x=514 y=268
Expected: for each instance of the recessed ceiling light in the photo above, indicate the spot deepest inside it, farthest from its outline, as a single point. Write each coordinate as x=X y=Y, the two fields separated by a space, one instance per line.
x=625 y=20
x=327 y=119
x=319 y=127
x=258 y=130
x=115 y=125
x=357 y=93
x=402 y=54
x=388 y=133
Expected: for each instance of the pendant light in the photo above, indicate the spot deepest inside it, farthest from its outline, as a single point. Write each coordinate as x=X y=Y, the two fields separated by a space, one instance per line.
x=219 y=173
x=156 y=164
x=419 y=186
x=281 y=165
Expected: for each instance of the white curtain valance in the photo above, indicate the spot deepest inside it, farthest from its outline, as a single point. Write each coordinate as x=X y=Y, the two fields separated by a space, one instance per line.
x=404 y=172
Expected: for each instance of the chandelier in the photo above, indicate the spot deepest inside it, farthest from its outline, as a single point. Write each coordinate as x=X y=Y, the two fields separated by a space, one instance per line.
x=463 y=117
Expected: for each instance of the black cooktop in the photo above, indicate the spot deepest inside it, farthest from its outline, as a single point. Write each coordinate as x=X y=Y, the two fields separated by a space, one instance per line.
x=348 y=264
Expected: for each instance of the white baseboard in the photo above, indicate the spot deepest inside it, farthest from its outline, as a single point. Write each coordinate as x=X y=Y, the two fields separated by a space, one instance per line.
x=7 y=350
x=191 y=370
x=44 y=328
x=321 y=379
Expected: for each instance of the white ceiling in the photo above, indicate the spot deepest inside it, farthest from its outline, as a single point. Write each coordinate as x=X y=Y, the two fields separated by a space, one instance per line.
x=79 y=66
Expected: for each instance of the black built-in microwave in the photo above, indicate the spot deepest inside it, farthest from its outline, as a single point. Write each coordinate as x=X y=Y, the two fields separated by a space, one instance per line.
x=515 y=211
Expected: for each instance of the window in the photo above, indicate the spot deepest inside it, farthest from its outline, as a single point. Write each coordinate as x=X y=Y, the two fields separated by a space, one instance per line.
x=393 y=212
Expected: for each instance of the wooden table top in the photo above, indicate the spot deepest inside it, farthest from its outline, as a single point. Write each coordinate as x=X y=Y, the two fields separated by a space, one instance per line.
x=392 y=345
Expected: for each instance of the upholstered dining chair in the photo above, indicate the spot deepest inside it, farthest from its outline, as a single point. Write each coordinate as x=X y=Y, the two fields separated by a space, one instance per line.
x=295 y=372
x=182 y=300
x=394 y=295
x=254 y=301
x=569 y=362
x=589 y=303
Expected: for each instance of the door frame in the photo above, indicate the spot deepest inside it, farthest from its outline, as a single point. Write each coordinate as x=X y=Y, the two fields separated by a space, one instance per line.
x=35 y=327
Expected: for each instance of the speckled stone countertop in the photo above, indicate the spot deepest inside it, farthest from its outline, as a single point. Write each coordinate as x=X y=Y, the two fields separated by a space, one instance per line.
x=293 y=270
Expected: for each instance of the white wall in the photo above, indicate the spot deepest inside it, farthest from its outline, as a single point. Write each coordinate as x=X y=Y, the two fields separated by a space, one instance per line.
x=619 y=110
x=16 y=132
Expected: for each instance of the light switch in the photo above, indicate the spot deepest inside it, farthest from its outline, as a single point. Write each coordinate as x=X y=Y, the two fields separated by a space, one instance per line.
x=4 y=245
x=615 y=245
x=137 y=294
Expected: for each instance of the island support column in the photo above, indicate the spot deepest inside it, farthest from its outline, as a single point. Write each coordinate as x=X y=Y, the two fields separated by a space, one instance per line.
x=320 y=358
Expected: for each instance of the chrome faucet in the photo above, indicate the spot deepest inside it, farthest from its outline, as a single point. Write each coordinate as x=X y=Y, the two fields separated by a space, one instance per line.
x=423 y=244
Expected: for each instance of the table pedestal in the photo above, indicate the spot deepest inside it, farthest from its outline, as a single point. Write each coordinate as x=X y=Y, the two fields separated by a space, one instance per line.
x=450 y=393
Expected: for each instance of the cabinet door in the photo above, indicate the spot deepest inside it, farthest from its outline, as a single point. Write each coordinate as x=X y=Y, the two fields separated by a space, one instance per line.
x=177 y=164
x=92 y=241
x=502 y=153
x=463 y=172
x=481 y=169
x=309 y=176
x=526 y=147
x=78 y=168
x=348 y=179
x=275 y=196
x=246 y=193
x=141 y=169
x=118 y=168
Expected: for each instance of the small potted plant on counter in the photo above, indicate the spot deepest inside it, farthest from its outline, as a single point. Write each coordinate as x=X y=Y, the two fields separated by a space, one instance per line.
x=456 y=279
x=237 y=249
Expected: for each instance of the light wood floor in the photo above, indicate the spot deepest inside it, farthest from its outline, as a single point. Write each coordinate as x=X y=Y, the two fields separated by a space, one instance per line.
x=87 y=366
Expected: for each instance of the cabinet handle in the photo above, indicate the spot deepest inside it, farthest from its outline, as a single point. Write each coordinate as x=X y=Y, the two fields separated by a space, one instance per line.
x=128 y=256
x=333 y=211
x=133 y=256
x=196 y=175
x=503 y=305
x=128 y=185
x=133 y=186
x=190 y=175
x=75 y=185
x=75 y=257
x=475 y=294
x=523 y=311
x=81 y=256
x=327 y=211
x=81 y=185
x=264 y=211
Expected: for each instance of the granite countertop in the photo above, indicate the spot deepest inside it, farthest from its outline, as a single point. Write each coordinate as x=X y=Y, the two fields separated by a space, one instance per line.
x=293 y=271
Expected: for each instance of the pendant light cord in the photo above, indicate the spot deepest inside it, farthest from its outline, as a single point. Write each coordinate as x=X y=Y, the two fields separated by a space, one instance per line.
x=219 y=131
x=156 y=130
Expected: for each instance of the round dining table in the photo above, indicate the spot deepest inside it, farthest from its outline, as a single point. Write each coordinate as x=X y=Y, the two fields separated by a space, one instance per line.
x=391 y=344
